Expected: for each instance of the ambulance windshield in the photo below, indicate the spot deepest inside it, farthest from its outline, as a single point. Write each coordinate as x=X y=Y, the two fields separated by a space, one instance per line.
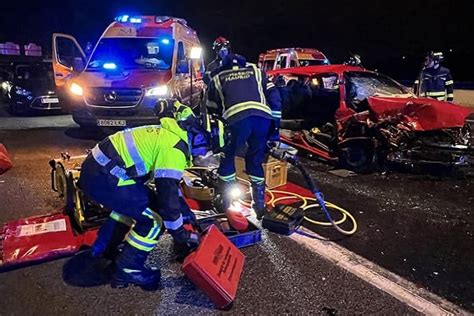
x=133 y=53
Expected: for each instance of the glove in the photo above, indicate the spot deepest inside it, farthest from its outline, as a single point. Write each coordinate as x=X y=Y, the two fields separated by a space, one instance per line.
x=185 y=242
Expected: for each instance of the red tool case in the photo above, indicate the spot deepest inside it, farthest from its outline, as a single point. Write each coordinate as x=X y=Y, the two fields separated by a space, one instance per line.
x=40 y=238
x=215 y=267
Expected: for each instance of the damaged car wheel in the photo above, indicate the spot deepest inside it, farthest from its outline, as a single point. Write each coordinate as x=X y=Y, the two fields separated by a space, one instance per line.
x=358 y=155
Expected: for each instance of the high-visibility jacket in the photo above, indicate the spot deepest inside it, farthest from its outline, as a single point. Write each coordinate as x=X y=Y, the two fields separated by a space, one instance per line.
x=241 y=92
x=161 y=151
x=436 y=83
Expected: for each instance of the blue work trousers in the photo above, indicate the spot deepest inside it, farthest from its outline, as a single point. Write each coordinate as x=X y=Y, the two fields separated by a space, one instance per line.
x=251 y=131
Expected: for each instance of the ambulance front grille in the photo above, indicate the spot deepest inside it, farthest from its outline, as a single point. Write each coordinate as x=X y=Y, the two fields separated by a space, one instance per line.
x=113 y=97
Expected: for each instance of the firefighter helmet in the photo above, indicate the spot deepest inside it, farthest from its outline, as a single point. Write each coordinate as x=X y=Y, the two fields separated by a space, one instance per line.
x=437 y=57
x=220 y=43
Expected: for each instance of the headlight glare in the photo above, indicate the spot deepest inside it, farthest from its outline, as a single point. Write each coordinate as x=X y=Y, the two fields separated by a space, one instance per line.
x=158 y=91
x=76 y=89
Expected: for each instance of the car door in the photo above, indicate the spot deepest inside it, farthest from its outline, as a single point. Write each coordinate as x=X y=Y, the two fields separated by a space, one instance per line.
x=68 y=58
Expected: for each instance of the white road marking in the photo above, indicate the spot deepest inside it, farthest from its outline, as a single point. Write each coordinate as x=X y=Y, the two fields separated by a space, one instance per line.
x=405 y=291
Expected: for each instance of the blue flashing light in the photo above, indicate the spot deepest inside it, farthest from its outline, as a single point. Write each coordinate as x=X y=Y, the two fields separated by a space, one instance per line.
x=135 y=20
x=165 y=41
x=110 y=66
x=122 y=18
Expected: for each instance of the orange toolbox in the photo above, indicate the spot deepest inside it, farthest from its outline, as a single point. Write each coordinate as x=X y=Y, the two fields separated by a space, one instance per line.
x=215 y=268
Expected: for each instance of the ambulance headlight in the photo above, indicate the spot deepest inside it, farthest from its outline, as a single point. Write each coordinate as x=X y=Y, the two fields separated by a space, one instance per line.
x=158 y=91
x=76 y=89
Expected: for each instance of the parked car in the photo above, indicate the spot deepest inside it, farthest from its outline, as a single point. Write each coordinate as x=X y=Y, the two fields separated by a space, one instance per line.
x=32 y=89
x=282 y=58
x=137 y=61
x=359 y=118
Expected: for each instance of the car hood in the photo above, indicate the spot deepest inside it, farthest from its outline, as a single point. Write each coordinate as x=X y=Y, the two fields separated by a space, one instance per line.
x=423 y=114
x=137 y=78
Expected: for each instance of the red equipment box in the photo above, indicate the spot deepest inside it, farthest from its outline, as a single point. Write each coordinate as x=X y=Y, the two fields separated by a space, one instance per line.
x=215 y=267
x=40 y=238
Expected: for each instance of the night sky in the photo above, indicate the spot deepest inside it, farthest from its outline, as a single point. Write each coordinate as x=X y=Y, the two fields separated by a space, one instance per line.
x=382 y=32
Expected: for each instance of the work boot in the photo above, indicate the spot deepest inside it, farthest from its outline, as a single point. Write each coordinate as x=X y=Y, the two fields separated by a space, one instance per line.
x=131 y=270
x=110 y=236
x=258 y=199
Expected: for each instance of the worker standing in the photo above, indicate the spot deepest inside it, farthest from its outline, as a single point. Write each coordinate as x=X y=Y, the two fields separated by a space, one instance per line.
x=114 y=174
x=436 y=81
x=251 y=106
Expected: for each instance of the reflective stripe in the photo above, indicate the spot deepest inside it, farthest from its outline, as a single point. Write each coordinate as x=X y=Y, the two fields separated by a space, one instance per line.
x=228 y=178
x=157 y=222
x=449 y=82
x=221 y=133
x=169 y=173
x=270 y=85
x=258 y=76
x=276 y=114
x=132 y=150
x=140 y=242
x=417 y=81
x=121 y=218
x=237 y=108
x=119 y=173
x=174 y=225
x=99 y=156
x=450 y=95
x=217 y=83
x=436 y=94
x=257 y=180
x=208 y=123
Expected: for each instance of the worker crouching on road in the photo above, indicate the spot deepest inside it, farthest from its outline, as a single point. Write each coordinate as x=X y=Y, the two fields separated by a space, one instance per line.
x=114 y=175
x=251 y=106
x=436 y=81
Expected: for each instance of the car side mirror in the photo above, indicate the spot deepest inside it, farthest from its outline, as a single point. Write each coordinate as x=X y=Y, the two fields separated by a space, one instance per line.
x=78 y=64
x=183 y=67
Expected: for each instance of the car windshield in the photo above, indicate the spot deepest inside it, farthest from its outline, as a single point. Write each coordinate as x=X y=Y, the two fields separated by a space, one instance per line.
x=367 y=84
x=312 y=62
x=130 y=53
x=40 y=72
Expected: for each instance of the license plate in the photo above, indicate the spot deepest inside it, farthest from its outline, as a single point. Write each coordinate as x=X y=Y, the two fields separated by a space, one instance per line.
x=111 y=123
x=49 y=100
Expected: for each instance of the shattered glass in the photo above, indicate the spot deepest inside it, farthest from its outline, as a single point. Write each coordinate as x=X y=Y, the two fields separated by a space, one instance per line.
x=364 y=85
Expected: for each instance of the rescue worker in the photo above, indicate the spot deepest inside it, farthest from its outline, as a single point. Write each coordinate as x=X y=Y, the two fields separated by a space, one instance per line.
x=436 y=81
x=251 y=106
x=114 y=175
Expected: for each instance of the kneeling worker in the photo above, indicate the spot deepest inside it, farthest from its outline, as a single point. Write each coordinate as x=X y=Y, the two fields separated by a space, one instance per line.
x=114 y=175
x=251 y=106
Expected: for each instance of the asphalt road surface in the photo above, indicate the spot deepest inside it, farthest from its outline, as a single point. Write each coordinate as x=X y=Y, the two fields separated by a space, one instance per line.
x=419 y=227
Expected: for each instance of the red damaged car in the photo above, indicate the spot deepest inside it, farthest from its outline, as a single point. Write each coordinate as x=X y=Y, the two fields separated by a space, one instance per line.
x=360 y=119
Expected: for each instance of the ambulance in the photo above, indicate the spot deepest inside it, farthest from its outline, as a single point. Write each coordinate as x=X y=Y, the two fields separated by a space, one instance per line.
x=283 y=58
x=137 y=61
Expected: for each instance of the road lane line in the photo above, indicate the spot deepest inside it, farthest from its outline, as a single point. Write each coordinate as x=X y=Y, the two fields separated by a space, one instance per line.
x=405 y=291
